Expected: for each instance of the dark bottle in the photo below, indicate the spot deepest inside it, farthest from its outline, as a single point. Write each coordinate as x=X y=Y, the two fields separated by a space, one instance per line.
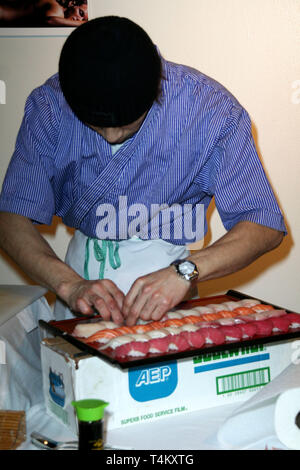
x=90 y=423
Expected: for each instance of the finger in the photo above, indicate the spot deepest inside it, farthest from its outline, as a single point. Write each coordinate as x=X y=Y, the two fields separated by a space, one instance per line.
x=159 y=311
x=115 y=292
x=132 y=295
x=110 y=306
x=83 y=307
x=151 y=304
x=102 y=308
x=138 y=306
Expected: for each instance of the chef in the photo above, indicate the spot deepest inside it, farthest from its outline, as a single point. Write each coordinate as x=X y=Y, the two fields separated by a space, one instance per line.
x=129 y=149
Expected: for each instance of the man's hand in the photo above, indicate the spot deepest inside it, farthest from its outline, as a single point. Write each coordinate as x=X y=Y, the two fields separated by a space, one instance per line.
x=87 y=296
x=21 y=240
x=152 y=295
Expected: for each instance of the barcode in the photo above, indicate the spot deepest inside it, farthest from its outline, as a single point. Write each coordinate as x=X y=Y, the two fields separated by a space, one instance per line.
x=243 y=380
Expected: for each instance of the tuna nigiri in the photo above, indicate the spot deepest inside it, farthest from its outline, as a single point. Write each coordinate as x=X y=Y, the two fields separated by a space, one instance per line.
x=213 y=336
x=194 y=338
x=232 y=333
x=158 y=342
x=139 y=347
x=294 y=319
x=264 y=327
x=177 y=343
x=248 y=330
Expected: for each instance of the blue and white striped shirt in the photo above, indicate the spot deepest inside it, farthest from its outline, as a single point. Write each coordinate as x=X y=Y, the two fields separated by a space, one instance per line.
x=195 y=144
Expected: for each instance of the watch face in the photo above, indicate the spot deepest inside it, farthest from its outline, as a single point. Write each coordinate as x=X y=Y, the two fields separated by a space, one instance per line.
x=186 y=267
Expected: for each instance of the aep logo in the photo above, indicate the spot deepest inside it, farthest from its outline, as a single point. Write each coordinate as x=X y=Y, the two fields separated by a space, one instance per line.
x=155 y=381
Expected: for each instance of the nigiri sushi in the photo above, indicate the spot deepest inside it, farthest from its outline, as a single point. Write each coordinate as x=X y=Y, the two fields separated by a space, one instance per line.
x=294 y=319
x=158 y=342
x=264 y=327
x=177 y=343
x=280 y=324
x=213 y=336
x=84 y=330
x=194 y=338
x=139 y=347
x=232 y=333
x=249 y=302
x=248 y=330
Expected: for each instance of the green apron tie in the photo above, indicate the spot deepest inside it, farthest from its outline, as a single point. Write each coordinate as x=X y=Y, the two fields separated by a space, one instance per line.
x=100 y=253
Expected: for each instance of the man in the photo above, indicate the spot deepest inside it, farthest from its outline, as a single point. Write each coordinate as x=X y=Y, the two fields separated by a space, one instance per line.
x=123 y=128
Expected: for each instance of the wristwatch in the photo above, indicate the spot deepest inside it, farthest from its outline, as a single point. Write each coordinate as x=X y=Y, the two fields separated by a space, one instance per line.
x=186 y=269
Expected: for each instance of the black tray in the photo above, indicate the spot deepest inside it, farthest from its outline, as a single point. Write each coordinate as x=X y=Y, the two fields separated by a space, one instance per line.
x=64 y=329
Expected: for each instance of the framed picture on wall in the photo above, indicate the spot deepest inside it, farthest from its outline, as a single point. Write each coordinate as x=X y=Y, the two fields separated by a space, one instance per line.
x=18 y=17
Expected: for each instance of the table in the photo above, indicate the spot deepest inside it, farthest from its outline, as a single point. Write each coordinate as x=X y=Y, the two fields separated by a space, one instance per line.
x=21 y=388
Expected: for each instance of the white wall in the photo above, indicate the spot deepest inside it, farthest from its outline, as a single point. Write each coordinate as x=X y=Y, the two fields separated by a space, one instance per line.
x=251 y=47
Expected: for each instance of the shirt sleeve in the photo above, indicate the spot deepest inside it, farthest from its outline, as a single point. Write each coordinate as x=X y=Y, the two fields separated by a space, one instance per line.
x=242 y=191
x=27 y=188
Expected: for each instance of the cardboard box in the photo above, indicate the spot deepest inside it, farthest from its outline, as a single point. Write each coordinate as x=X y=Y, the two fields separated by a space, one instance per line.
x=147 y=393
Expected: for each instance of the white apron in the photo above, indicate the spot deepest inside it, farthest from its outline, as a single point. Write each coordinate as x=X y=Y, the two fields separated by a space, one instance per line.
x=122 y=262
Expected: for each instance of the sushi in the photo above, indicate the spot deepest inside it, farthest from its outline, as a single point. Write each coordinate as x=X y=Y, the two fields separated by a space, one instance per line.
x=171 y=316
x=84 y=330
x=158 y=342
x=243 y=311
x=262 y=308
x=213 y=336
x=229 y=321
x=216 y=307
x=248 y=330
x=176 y=322
x=231 y=305
x=294 y=319
x=116 y=342
x=177 y=343
x=280 y=324
x=249 y=302
x=226 y=313
x=103 y=336
x=203 y=310
x=138 y=347
x=264 y=327
x=195 y=339
x=232 y=333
